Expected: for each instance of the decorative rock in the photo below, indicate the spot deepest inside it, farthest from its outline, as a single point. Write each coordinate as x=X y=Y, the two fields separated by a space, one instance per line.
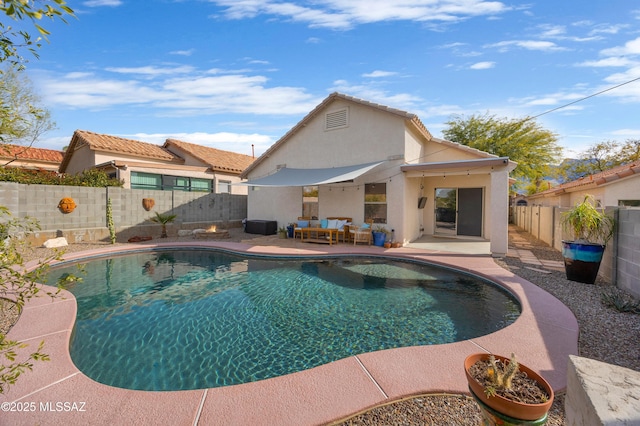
x=184 y=232
x=56 y=242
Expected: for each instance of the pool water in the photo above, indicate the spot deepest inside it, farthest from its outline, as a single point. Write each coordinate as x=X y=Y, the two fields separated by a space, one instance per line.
x=193 y=319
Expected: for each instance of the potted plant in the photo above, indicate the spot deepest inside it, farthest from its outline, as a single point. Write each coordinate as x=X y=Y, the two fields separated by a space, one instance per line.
x=163 y=219
x=590 y=229
x=507 y=392
x=282 y=232
x=379 y=235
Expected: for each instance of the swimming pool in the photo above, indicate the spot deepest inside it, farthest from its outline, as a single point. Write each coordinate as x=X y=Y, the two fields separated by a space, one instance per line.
x=192 y=319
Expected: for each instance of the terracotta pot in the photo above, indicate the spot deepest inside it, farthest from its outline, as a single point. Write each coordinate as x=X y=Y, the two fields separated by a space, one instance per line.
x=148 y=203
x=395 y=245
x=67 y=205
x=517 y=410
x=387 y=245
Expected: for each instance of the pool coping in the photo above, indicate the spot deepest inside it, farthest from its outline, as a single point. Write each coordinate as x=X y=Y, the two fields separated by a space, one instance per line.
x=543 y=337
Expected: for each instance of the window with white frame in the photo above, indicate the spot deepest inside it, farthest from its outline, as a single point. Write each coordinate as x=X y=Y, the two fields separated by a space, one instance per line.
x=224 y=187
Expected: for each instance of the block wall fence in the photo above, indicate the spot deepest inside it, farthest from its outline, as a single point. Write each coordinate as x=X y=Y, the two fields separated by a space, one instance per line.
x=88 y=222
x=621 y=262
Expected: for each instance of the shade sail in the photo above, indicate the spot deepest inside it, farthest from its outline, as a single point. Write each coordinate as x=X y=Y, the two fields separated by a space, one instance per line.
x=308 y=177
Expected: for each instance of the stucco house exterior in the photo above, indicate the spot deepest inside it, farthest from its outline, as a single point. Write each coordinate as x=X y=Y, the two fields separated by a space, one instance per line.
x=27 y=157
x=618 y=186
x=175 y=165
x=353 y=158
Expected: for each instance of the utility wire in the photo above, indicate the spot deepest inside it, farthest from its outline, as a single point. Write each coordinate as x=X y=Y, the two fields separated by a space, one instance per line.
x=586 y=97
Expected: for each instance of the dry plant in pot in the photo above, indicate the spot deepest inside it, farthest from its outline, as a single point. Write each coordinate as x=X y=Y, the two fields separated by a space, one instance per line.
x=514 y=393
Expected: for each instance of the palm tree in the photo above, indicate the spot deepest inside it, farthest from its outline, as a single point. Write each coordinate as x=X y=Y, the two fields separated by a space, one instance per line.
x=164 y=219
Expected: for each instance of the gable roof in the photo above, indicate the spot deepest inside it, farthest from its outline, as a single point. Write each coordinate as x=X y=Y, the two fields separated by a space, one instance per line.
x=411 y=120
x=26 y=153
x=108 y=143
x=595 y=179
x=218 y=160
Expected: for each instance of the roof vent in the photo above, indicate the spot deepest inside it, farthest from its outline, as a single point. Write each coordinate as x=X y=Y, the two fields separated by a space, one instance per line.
x=337 y=119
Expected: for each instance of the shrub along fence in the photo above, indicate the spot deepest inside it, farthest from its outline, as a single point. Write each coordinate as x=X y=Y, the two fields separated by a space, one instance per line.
x=88 y=220
x=621 y=262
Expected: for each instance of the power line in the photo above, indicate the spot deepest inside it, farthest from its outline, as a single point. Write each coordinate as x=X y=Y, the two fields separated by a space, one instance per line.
x=586 y=97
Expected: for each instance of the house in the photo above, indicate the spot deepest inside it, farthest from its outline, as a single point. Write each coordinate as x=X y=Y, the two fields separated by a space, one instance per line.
x=175 y=165
x=618 y=186
x=27 y=157
x=353 y=158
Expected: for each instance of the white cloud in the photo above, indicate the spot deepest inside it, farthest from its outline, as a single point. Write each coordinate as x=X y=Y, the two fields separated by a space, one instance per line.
x=608 y=29
x=344 y=14
x=482 y=65
x=632 y=47
x=98 y=3
x=379 y=73
x=193 y=94
x=627 y=133
x=608 y=62
x=152 y=71
x=546 y=46
x=182 y=52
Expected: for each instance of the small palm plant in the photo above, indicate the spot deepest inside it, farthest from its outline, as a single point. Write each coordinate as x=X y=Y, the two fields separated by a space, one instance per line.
x=163 y=219
x=587 y=224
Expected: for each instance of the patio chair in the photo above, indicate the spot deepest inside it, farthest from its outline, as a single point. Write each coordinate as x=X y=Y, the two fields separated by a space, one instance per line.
x=361 y=234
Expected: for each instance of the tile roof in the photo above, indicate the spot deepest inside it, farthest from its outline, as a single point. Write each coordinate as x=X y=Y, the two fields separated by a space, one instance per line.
x=110 y=143
x=217 y=159
x=26 y=153
x=595 y=179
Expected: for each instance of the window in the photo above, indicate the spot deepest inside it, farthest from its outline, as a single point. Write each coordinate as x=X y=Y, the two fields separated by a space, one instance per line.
x=375 y=202
x=224 y=187
x=629 y=203
x=310 y=201
x=145 y=181
x=166 y=182
x=202 y=185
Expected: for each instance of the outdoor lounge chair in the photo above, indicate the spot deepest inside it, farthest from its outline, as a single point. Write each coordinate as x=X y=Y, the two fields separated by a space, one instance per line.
x=361 y=234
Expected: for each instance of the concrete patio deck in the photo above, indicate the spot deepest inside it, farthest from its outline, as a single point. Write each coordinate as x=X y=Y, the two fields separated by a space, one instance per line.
x=543 y=337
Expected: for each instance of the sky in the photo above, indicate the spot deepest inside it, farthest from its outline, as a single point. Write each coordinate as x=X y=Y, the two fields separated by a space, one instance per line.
x=238 y=74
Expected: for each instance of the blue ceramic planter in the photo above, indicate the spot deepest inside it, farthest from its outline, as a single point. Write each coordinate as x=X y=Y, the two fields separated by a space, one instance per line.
x=582 y=261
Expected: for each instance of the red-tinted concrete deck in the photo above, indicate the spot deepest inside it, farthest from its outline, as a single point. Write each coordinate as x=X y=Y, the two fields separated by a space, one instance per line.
x=542 y=337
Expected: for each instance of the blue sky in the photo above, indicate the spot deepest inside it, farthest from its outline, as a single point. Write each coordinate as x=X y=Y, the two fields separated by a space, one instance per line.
x=232 y=73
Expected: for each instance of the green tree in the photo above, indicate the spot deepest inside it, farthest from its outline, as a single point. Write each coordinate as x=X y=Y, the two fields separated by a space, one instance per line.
x=12 y=40
x=17 y=286
x=523 y=141
x=22 y=119
x=599 y=157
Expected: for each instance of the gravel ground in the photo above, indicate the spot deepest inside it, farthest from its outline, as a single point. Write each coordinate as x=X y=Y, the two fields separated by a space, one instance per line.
x=605 y=335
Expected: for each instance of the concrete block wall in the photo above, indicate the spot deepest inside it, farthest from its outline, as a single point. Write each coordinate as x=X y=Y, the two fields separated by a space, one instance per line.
x=628 y=251
x=621 y=261
x=88 y=222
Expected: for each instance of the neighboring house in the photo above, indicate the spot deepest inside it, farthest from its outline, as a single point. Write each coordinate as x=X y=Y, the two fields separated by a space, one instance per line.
x=619 y=186
x=175 y=165
x=26 y=157
x=353 y=158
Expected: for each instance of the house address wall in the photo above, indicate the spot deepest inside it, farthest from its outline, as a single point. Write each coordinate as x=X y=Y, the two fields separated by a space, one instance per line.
x=88 y=221
x=621 y=262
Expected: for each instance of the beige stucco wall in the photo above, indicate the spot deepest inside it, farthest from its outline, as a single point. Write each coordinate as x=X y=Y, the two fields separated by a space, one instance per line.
x=373 y=135
x=83 y=158
x=607 y=195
